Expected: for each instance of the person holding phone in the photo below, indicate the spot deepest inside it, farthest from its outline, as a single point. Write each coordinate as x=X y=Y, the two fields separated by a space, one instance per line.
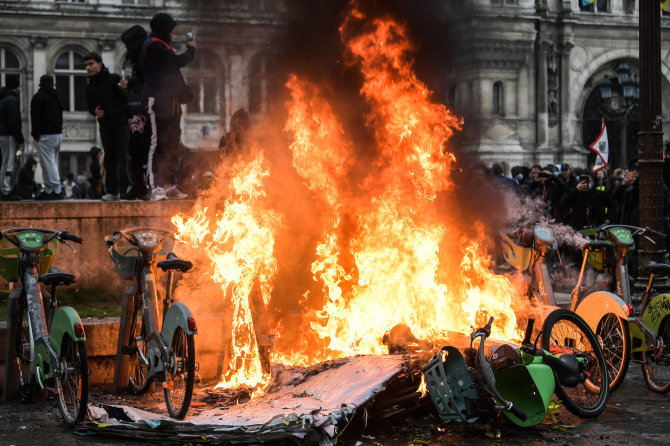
x=166 y=90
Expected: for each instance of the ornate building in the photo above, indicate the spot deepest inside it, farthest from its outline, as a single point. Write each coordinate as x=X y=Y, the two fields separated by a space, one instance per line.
x=529 y=78
x=231 y=69
x=527 y=75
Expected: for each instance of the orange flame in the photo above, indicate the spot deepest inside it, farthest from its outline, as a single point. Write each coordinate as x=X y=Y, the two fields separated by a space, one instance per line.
x=386 y=255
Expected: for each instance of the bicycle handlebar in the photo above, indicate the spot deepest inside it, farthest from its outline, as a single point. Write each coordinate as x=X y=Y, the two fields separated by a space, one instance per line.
x=52 y=234
x=636 y=230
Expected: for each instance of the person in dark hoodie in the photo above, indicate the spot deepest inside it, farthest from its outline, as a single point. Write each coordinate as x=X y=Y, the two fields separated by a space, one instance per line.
x=107 y=97
x=26 y=187
x=166 y=90
x=46 y=117
x=11 y=136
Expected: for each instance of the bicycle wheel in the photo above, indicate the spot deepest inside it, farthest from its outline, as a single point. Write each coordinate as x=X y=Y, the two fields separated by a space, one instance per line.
x=614 y=338
x=656 y=364
x=24 y=351
x=180 y=374
x=565 y=332
x=139 y=382
x=72 y=385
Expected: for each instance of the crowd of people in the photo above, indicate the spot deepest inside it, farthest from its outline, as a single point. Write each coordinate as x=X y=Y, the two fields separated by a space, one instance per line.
x=138 y=118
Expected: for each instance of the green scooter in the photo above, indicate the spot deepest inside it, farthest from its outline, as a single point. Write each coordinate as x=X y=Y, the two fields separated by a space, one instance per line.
x=521 y=381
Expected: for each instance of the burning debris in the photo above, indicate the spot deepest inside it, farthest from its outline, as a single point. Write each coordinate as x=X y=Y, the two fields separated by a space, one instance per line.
x=380 y=248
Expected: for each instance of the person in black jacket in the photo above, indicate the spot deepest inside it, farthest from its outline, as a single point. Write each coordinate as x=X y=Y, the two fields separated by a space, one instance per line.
x=26 y=187
x=46 y=117
x=107 y=96
x=11 y=136
x=166 y=90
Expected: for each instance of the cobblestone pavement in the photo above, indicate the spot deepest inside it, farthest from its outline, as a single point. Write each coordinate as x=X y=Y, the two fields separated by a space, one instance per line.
x=634 y=415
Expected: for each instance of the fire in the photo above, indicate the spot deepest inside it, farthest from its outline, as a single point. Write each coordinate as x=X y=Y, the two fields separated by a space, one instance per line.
x=386 y=253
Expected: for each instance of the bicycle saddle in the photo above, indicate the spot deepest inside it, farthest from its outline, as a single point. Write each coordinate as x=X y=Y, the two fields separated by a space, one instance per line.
x=55 y=277
x=566 y=367
x=656 y=268
x=597 y=244
x=174 y=262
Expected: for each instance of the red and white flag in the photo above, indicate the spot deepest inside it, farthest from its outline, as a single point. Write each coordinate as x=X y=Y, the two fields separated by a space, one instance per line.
x=602 y=148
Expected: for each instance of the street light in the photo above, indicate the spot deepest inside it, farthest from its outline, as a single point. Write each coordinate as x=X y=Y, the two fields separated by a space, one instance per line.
x=619 y=98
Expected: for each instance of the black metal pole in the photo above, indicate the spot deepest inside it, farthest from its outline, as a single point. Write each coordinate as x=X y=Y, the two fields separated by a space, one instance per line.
x=651 y=133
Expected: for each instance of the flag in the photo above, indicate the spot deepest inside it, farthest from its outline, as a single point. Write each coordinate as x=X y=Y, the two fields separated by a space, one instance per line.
x=664 y=4
x=590 y=2
x=602 y=148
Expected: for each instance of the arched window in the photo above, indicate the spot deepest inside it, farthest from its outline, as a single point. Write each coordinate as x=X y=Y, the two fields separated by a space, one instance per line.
x=453 y=95
x=205 y=77
x=10 y=67
x=498 y=102
x=71 y=79
x=260 y=88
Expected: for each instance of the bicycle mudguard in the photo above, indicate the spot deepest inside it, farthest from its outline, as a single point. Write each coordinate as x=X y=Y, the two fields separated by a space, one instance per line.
x=176 y=316
x=529 y=387
x=449 y=384
x=657 y=310
x=594 y=306
x=62 y=323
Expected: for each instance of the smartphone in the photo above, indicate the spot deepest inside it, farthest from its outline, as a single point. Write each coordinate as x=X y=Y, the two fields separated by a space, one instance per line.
x=190 y=37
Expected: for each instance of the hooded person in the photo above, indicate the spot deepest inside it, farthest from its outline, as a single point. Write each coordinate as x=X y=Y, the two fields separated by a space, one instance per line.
x=46 y=117
x=26 y=188
x=166 y=90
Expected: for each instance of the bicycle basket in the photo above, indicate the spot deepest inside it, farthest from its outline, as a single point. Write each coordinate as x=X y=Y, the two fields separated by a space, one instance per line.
x=518 y=384
x=450 y=384
x=9 y=261
x=125 y=260
x=516 y=255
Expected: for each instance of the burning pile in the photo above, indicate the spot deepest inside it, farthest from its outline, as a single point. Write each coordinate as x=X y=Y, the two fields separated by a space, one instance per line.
x=381 y=250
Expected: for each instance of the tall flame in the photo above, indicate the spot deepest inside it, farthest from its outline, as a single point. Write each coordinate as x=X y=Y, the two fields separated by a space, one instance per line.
x=387 y=253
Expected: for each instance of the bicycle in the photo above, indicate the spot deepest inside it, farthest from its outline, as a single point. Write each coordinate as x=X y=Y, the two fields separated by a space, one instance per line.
x=605 y=312
x=152 y=346
x=520 y=382
x=45 y=345
x=645 y=336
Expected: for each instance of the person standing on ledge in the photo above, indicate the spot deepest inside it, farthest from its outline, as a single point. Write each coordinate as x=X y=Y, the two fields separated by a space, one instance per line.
x=11 y=136
x=46 y=117
x=166 y=90
x=107 y=96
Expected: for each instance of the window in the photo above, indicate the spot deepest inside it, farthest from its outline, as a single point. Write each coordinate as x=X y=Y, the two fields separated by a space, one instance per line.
x=498 y=103
x=205 y=77
x=10 y=68
x=136 y=2
x=260 y=89
x=71 y=79
x=594 y=6
x=70 y=1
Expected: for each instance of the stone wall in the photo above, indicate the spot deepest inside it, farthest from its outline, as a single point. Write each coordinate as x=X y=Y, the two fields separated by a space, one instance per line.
x=92 y=221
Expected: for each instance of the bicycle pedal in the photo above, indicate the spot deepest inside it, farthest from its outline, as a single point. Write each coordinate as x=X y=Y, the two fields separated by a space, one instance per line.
x=129 y=350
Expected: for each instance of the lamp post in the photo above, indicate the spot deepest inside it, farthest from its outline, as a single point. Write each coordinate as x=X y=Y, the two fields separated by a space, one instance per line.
x=651 y=134
x=619 y=99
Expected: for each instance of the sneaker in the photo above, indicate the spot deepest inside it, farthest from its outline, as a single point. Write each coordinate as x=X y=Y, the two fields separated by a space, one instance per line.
x=56 y=195
x=173 y=192
x=158 y=194
x=110 y=197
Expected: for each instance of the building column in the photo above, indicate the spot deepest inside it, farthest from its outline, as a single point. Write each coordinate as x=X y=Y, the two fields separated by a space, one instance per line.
x=542 y=94
x=107 y=52
x=564 y=111
x=239 y=84
x=39 y=45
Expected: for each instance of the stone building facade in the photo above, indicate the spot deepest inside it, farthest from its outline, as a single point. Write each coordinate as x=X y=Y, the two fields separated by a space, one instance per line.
x=527 y=76
x=231 y=70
